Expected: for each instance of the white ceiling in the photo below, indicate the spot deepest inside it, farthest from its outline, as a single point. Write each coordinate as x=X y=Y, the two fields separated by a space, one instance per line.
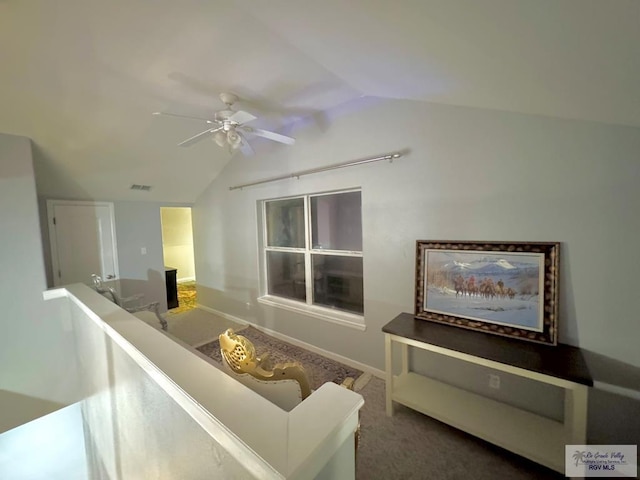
x=82 y=77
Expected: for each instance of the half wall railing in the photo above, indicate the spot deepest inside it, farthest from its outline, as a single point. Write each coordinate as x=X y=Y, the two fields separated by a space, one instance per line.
x=153 y=409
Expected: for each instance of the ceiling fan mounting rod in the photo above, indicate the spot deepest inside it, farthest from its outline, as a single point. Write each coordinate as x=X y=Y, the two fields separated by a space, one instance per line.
x=228 y=98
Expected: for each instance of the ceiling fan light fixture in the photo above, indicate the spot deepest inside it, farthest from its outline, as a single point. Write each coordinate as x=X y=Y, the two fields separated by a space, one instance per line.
x=220 y=138
x=234 y=139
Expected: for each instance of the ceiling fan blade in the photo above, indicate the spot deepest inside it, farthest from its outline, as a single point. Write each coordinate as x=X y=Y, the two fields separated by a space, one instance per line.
x=196 y=138
x=242 y=117
x=165 y=114
x=270 y=135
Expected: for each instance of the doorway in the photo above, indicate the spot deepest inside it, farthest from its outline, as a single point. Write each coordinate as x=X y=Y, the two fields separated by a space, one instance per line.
x=178 y=255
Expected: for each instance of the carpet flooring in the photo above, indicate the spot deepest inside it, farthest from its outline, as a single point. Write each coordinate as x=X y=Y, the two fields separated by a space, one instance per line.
x=413 y=446
x=319 y=369
x=406 y=446
x=197 y=327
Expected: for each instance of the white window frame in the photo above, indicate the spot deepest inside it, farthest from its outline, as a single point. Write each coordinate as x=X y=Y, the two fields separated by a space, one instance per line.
x=328 y=314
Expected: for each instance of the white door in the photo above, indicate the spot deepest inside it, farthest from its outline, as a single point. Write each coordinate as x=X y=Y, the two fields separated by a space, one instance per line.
x=83 y=241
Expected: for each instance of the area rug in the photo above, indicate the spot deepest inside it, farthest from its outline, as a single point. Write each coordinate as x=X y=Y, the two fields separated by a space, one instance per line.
x=319 y=369
x=186 y=297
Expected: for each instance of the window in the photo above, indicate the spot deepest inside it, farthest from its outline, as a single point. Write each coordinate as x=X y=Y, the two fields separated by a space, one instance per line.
x=313 y=252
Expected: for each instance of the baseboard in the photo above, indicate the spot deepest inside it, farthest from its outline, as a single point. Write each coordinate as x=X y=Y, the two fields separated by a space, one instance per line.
x=186 y=279
x=294 y=341
x=223 y=314
x=623 y=391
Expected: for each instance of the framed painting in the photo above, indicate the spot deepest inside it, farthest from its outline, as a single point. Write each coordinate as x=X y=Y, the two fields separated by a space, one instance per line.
x=504 y=288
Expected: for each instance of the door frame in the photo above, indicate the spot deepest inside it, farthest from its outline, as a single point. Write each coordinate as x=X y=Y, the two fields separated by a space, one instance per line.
x=51 y=203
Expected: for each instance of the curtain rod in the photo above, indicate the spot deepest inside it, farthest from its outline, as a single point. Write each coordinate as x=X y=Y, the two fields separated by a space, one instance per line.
x=390 y=156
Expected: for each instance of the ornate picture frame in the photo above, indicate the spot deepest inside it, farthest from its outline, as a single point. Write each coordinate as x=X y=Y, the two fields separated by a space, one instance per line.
x=503 y=288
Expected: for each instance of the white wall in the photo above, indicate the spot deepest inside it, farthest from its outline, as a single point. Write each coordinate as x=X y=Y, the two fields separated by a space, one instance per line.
x=38 y=369
x=137 y=227
x=471 y=174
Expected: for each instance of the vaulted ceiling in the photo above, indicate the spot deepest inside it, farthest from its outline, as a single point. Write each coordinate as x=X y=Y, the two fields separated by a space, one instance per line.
x=82 y=77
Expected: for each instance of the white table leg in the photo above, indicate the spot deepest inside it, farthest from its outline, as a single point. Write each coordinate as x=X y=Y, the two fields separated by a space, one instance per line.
x=575 y=414
x=405 y=358
x=389 y=374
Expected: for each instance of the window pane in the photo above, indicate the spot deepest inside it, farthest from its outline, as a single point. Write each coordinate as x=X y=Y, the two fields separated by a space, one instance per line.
x=286 y=275
x=337 y=282
x=285 y=223
x=336 y=221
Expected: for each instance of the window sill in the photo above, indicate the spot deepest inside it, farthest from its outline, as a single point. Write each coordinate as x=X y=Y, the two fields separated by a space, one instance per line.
x=327 y=314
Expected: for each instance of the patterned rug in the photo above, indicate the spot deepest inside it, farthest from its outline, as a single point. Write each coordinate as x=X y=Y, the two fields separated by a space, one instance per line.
x=319 y=369
x=186 y=297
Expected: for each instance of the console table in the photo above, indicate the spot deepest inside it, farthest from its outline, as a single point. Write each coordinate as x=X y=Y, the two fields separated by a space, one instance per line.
x=533 y=436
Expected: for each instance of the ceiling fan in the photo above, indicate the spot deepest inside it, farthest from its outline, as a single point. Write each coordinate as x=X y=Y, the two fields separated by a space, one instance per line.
x=228 y=128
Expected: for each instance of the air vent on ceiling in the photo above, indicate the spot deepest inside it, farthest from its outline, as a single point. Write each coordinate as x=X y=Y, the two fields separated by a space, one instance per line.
x=144 y=188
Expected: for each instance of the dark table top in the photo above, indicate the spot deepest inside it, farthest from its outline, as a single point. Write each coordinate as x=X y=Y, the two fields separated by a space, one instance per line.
x=561 y=361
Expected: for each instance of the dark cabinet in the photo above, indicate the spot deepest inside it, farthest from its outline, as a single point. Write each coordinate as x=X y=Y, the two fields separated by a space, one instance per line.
x=171 y=275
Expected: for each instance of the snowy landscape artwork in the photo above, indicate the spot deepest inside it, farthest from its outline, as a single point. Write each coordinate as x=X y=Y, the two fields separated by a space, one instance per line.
x=508 y=289
x=499 y=288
